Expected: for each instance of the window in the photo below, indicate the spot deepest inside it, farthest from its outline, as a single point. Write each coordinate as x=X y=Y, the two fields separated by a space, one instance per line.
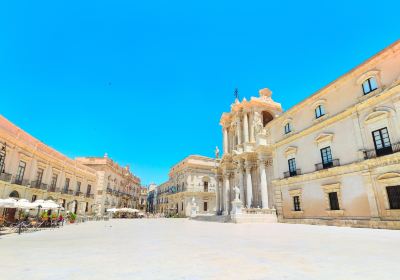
x=2 y=158
x=296 y=203
x=205 y=186
x=54 y=181
x=333 y=201
x=326 y=156
x=88 y=189
x=292 y=167
x=20 y=172
x=382 y=142
x=369 y=85
x=182 y=206
x=288 y=128
x=87 y=207
x=39 y=176
x=63 y=203
x=34 y=198
x=205 y=206
x=393 y=193
x=319 y=111
x=78 y=186
x=66 y=185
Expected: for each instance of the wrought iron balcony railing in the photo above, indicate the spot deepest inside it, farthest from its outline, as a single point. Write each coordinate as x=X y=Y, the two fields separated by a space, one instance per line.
x=293 y=173
x=5 y=177
x=326 y=165
x=22 y=182
x=382 y=152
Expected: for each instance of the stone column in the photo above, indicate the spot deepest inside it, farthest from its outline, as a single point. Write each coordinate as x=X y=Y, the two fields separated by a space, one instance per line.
x=238 y=131
x=246 y=128
x=251 y=119
x=241 y=181
x=226 y=194
x=226 y=140
x=249 y=185
x=217 y=196
x=263 y=185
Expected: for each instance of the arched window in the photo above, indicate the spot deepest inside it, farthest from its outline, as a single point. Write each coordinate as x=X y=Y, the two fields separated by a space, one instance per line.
x=288 y=128
x=319 y=111
x=267 y=117
x=369 y=85
x=14 y=194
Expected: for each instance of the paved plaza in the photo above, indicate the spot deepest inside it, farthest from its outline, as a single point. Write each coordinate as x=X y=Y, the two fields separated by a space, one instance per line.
x=184 y=249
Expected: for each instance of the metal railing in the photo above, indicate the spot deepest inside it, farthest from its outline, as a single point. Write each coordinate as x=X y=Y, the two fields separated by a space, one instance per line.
x=22 y=182
x=382 y=152
x=89 y=195
x=39 y=185
x=288 y=174
x=5 y=177
x=77 y=193
x=326 y=165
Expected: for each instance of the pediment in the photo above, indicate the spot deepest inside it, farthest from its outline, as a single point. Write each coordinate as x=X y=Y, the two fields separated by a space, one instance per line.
x=324 y=137
x=376 y=116
x=389 y=177
x=366 y=75
x=290 y=150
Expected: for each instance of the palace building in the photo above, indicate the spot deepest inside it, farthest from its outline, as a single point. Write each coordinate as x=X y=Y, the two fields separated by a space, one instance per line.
x=117 y=187
x=331 y=159
x=193 y=178
x=32 y=170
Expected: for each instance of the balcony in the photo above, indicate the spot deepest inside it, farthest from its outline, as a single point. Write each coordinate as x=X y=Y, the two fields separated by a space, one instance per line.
x=22 y=182
x=70 y=192
x=294 y=173
x=78 y=193
x=5 y=177
x=38 y=185
x=326 y=165
x=64 y=191
x=89 y=195
x=53 y=189
x=374 y=153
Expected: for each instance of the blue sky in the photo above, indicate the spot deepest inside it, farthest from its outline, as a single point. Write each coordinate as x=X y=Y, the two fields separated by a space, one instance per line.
x=147 y=81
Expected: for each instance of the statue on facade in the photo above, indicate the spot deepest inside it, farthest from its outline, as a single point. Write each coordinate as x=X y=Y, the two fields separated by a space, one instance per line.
x=237 y=192
x=216 y=152
x=258 y=125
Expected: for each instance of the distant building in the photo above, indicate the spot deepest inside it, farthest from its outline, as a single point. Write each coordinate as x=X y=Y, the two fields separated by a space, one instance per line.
x=193 y=177
x=117 y=187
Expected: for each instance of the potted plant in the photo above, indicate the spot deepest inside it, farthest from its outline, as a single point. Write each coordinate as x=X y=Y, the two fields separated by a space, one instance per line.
x=45 y=216
x=54 y=217
x=72 y=217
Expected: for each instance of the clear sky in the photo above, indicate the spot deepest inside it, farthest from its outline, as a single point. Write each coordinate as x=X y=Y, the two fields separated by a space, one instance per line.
x=147 y=81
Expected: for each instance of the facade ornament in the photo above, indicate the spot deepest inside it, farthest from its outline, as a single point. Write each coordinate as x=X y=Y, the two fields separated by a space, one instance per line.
x=258 y=125
x=216 y=152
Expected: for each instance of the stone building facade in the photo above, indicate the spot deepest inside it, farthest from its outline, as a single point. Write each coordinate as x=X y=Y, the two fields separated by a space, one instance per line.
x=193 y=177
x=32 y=170
x=331 y=159
x=117 y=187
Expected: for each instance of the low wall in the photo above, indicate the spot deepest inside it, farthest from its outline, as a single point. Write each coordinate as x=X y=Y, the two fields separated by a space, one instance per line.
x=346 y=223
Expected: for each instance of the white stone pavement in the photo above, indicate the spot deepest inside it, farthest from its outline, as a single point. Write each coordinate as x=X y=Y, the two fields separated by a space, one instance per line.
x=184 y=249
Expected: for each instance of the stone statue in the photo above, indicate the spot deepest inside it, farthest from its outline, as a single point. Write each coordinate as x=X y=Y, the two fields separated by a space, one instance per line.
x=258 y=125
x=216 y=152
x=237 y=192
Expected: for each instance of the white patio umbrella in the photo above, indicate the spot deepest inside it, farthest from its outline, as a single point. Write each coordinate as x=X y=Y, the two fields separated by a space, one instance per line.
x=112 y=210
x=8 y=202
x=50 y=204
x=24 y=204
